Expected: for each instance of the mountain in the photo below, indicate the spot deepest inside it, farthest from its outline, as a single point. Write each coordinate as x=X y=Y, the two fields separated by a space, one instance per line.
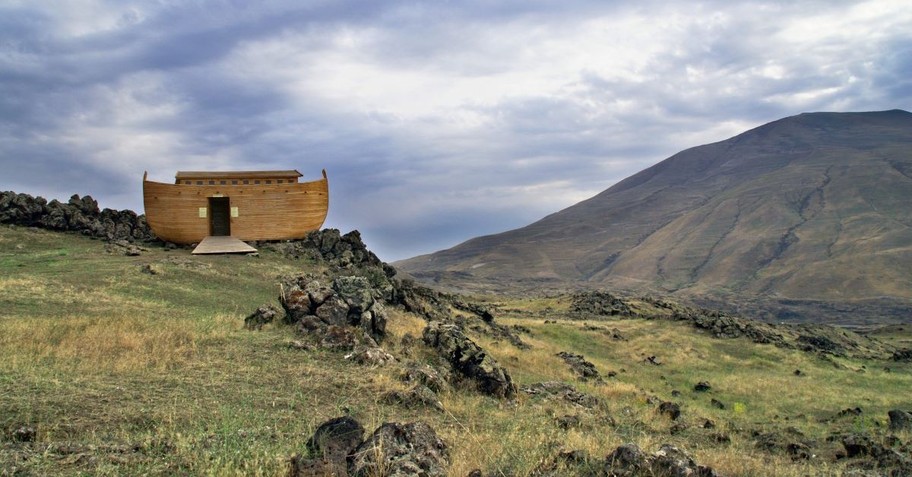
x=811 y=207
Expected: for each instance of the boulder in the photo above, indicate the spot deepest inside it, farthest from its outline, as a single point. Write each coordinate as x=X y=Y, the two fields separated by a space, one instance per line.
x=424 y=374
x=702 y=386
x=670 y=409
x=629 y=461
x=900 y=420
x=584 y=369
x=370 y=356
x=336 y=437
x=468 y=359
x=420 y=396
x=356 y=292
x=401 y=450
x=329 y=448
x=263 y=315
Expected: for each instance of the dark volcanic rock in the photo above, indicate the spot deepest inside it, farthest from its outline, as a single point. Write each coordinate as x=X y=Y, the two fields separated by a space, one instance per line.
x=433 y=378
x=263 y=315
x=329 y=448
x=902 y=355
x=401 y=450
x=702 y=386
x=629 y=461
x=900 y=420
x=564 y=391
x=417 y=397
x=599 y=304
x=468 y=359
x=370 y=356
x=80 y=215
x=350 y=302
x=670 y=409
x=820 y=343
x=336 y=437
x=584 y=369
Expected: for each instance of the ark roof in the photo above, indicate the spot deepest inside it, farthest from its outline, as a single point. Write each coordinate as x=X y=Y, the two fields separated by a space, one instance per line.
x=188 y=175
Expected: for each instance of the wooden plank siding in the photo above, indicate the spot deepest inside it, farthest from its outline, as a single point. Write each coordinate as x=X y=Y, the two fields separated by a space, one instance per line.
x=264 y=212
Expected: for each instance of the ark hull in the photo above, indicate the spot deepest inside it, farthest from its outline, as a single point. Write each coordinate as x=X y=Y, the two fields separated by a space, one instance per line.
x=184 y=213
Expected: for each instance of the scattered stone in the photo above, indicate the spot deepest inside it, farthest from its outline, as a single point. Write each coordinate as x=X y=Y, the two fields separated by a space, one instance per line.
x=720 y=438
x=670 y=409
x=150 y=269
x=468 y=359
x=24 y=434
x=716 y=404
x=370 y=356
x=902 y=355
x=301 y=345
x=584 y=369
x=629 y=461
x=709 y=424
x=569 y=421
x=848 y=412
x=401 y=450
x=562 y=391
x=481 y=311
x=798 y=372
x=426 y=375
x=263 y=315
x=702 y=386
x=417 y=397
x=675 y=393
x=653 y=360
x=677 y=428
x=900 y=420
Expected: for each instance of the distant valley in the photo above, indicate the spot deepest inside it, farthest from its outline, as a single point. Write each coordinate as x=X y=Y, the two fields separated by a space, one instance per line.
x=807 y=217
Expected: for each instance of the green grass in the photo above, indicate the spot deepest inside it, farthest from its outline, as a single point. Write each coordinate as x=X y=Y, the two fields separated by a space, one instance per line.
x=125 y=373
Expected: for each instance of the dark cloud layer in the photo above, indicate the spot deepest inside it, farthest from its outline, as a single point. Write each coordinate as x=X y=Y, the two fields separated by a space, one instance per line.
x=437 y=121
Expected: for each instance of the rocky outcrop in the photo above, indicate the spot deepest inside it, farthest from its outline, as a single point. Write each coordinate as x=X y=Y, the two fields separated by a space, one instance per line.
x=468 y=360
x=350 y=301
x=585 y=370
x=598 y=303
x=331 y=246
x=79 y=215
x=401 y=450
x=338 y=448
x=629 y=461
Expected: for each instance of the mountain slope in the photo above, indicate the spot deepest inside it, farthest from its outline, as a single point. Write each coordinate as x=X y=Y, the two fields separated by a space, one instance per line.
x=814 y=206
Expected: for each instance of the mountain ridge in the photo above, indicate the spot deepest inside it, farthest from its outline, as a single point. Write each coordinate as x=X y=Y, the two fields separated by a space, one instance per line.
x=806 y=207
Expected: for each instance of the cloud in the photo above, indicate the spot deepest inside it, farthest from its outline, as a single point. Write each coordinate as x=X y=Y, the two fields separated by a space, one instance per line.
x=436 y=121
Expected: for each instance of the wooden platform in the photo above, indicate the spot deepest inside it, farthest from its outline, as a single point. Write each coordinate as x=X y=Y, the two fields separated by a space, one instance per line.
x=222 y=244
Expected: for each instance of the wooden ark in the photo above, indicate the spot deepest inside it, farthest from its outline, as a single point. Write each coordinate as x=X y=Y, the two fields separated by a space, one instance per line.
x=251 y=205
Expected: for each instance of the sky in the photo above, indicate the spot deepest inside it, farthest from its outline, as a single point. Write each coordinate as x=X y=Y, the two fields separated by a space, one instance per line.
x=436 y=121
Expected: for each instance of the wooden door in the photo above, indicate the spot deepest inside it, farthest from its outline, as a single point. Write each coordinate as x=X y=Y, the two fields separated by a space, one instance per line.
x=219 y=216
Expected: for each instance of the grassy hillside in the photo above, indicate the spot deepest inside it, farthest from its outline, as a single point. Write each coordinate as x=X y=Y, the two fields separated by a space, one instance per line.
x=122 y=372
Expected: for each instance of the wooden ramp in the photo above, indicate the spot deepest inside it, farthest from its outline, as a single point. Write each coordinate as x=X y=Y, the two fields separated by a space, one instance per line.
x=222 y=244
